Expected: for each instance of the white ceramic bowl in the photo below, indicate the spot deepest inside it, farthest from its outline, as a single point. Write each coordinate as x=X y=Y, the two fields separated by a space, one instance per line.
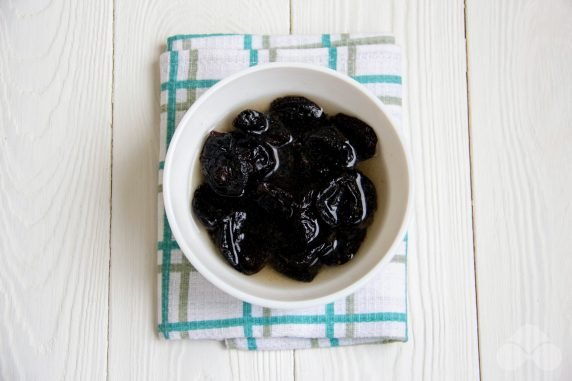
x=390 y=171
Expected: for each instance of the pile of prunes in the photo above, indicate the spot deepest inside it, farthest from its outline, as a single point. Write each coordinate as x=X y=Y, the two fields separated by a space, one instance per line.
x=282 y=188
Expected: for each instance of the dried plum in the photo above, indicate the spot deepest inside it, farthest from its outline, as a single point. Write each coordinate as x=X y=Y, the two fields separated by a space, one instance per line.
x=251 y=121
x=305 y=220
x=347 y=200
x=347 y=244
x=308 y=225
x=304 y=265
x=275 y=200
x=277 y=134
x=226 y=175
x=302 y=258
x=209 y=207
x=277 y=236
x=282 y=188
x=283 y=173
x=297 y=113
x=305 y=272
x=257 y=157
x=360 y=134
x=237 y=241
x=326 y=150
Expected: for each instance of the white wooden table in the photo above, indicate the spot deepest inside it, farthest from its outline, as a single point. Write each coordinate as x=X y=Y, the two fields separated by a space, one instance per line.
x=489 y=107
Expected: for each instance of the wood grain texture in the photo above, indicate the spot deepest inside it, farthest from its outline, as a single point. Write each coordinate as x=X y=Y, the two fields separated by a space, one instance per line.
x=136 y=352
x=442 y=302
x=520 y=62
x=55 y=97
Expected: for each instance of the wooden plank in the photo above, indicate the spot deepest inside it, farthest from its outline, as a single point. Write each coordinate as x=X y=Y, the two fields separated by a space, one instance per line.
x=136 y=352
x=520 y=65
x=442 y=305
x=55 y=97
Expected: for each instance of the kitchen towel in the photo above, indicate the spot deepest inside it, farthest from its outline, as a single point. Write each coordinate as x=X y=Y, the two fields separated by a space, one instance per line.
x=191 y=307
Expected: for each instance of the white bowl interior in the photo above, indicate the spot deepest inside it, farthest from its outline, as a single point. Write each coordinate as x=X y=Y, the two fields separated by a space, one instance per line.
x=389 y=170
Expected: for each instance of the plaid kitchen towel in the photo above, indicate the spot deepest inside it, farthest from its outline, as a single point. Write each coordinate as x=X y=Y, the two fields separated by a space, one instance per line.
x=191 y=307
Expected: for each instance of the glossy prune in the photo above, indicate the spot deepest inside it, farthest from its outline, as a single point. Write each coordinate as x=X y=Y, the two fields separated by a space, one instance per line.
x=236 y=239
x=282 y=174
x=349 y=199
x=209 y=207
x=326 y=150
x=304 y=272
x=347 y=244
x=251 y=121
x=275 y=200
x=297 y=113
x=304 y=265
x=257 y=157
x=226 y=175
x=360 y=134
x=277 y=134
x=282 y=188
x=308 y=224
x=277 y=236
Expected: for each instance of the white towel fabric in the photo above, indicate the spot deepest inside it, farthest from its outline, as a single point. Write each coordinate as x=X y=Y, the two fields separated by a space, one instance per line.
x=191 y=307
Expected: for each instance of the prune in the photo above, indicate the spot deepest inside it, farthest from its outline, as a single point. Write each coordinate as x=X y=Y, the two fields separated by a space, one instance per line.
x=304 y=265
x=275 y=200
x=277 y=134
x=349 y=199
x=361 y=136
x=257 y=157
x=308 y=224
x=283 y=173
x=370 y=199
x=324 y=248
x=347 y=244
x=237 y=241
x=302 y=258
x=209 y=207
x=226 y=175
x=283 y=188
x=326 y=150
x=307 y=199
x=297 y=113
x=305 y=219
x=277 y=236
x=251 y=121
x=305 y=272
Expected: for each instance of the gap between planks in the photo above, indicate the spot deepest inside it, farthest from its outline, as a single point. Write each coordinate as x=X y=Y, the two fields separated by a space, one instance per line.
x=469 y=135
x=112 y=104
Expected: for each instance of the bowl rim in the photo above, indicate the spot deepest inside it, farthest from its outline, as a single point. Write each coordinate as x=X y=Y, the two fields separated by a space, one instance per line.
x=268 y=302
